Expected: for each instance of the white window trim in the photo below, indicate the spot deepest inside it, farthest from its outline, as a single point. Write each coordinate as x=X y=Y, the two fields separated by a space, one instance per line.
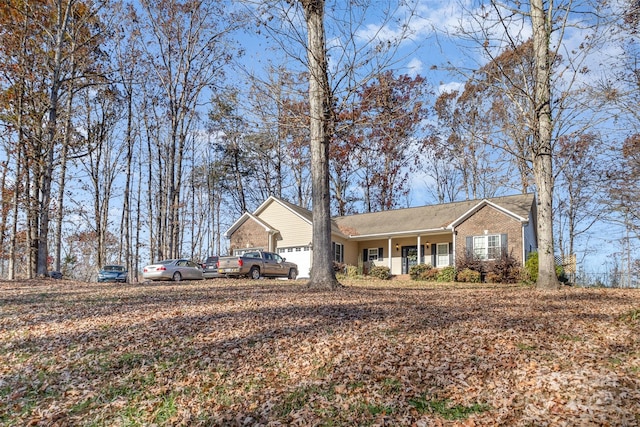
x=484 y=255
x=447 y=263
x=369 y=250
x=340 y=257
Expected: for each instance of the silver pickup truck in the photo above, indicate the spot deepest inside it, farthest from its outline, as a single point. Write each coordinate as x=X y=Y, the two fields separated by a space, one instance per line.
x=257 y=264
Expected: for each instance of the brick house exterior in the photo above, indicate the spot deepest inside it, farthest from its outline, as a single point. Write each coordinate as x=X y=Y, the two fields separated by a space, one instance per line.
x=488 y=220
x=398 y=239
x=250 y=234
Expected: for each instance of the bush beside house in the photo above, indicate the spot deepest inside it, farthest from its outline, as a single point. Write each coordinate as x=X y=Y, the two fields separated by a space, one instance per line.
x=531 y=270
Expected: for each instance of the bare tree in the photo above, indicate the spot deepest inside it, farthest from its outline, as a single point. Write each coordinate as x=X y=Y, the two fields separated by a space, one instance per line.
x=322 y=274
x=185 y=47
x=356 y=61
x=63 y=36
x=127 y=72
x=580 y=173
x=103 y=162
x=543 y=86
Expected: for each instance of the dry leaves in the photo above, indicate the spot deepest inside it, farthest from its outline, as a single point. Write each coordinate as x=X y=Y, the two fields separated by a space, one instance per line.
x=275 y=353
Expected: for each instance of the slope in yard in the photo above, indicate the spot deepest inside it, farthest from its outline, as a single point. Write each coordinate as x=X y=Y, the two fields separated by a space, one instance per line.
x=272 y=353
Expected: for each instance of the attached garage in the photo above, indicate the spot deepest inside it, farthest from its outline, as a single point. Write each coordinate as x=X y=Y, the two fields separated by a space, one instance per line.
x=301 y=255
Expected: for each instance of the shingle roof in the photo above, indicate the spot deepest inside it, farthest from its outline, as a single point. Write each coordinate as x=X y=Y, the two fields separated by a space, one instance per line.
x=305 y=213
x=430 y=217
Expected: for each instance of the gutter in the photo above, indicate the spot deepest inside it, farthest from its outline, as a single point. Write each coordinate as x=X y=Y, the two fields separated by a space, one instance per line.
x=399 y=233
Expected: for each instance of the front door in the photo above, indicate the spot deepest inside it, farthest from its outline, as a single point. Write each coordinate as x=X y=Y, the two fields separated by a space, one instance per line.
x=409 y=258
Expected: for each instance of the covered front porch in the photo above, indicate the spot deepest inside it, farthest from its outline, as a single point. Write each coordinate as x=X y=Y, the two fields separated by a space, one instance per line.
x=400 y=253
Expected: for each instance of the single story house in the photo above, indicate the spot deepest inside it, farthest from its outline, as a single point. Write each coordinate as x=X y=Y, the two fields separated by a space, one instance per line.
x=400 y=238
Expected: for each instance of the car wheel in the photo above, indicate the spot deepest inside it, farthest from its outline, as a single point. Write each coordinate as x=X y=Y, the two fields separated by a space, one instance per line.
x=254 y=273
x=177 y=276
x=292 y=274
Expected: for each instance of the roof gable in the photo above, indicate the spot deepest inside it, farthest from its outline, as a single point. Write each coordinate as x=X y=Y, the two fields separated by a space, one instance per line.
x=245 y=217
x=486 y=202
x=301 y=212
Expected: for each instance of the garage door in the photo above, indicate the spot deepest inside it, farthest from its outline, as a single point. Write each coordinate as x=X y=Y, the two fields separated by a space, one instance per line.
x=301 y=255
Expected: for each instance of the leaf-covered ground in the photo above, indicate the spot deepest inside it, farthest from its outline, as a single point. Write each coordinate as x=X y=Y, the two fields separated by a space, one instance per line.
x=222 y=352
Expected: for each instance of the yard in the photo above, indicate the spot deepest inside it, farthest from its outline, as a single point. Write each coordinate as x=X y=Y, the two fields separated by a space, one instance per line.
x=223 y=352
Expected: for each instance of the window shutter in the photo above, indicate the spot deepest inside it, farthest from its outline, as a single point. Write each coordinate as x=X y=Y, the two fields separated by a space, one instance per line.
x=365 y=255
x=469 y=248
x=380 y=256
x=434 y=250
x=504 y=249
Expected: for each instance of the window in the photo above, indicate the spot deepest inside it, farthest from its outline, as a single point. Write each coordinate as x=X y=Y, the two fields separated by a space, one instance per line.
x=489 y=246
x=493 y=247
x=374 y=254
x=338 y=251
x=442 y=255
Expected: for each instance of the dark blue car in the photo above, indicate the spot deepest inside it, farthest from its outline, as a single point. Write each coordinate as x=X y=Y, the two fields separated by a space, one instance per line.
x=113 y=273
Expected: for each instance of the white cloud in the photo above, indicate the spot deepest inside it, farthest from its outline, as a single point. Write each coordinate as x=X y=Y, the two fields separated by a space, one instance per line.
x=450 y=87
x=414 y=67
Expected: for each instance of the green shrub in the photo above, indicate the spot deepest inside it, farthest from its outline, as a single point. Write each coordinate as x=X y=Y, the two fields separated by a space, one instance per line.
x=531 y=266
x=380 y=272
x=351 y=271
x=447 y=274
x=561 y=275
x=418 y=271
x=468 y=275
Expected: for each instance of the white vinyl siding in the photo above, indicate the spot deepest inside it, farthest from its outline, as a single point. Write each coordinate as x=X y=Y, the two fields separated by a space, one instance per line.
x=294 y=230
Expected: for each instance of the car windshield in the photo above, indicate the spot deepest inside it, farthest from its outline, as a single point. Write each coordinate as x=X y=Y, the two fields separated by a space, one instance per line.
x=117 y=268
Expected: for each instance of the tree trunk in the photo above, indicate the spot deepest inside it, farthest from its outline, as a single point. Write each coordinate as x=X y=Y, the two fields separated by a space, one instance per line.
x=322 y=274
x=542 y=163
x=62 y=185
x=16 y=200
x=126 y=208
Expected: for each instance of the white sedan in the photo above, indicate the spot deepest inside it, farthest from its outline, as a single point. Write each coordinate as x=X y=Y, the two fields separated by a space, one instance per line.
x=173 y=269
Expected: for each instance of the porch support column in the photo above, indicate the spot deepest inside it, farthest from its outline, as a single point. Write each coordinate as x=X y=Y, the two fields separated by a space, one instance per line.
x=390 y=255
x=419 y=253
x=455 y=245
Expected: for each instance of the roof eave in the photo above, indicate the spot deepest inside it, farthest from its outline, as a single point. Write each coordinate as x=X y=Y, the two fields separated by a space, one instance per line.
x=264 y=205
x=245 y=216
x=482 y=203
x=407 y=233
